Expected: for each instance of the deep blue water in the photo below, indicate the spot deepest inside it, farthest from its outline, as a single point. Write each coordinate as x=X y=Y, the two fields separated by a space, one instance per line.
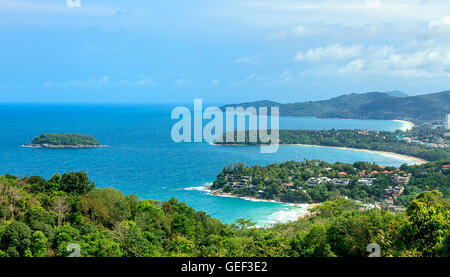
x=142 y=159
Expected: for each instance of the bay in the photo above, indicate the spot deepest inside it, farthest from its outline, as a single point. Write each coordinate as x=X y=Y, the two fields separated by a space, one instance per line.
x=142 y=159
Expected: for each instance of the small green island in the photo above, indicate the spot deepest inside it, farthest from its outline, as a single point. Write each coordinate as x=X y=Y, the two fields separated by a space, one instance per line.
x=63 y=140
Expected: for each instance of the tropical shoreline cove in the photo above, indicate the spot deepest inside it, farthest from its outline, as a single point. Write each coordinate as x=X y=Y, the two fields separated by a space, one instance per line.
x=296 y=210
x=334 y=122
x=285 y=213
x=390 y=154
x=144 y=161
x=407 y=125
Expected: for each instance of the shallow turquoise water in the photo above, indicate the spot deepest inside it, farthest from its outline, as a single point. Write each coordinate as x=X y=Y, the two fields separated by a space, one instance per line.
x=143 y=159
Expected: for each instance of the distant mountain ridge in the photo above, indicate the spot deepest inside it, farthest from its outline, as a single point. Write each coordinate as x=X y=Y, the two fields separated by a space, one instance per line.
x=371 y=105
x=396 y=93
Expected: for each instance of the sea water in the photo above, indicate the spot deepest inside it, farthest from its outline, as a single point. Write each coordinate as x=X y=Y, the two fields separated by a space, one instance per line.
x=143 y=160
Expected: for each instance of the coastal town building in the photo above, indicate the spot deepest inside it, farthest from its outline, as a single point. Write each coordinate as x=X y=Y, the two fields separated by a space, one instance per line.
x=447 y=122
x=237 y=183
x=341 y=181
x=389 y=200
x=375 y=172
x=366 y=181
x=436 y=142
x=366 y=207
x=288 y=185
x=387 y=172
x=363 y=132
x=401 y=180
x=317 y=181
x=392 y=193
x=423 y=171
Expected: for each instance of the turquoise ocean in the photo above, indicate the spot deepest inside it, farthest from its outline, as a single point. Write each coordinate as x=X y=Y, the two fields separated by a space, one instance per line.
x=143 y=160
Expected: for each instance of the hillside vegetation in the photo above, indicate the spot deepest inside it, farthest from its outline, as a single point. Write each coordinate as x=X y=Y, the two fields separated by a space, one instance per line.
x=40 y=218
x=65 y=139
x=372 y=105
x=269 y=182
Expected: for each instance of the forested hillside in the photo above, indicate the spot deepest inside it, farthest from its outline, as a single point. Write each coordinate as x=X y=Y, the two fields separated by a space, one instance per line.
x=65 y=139
x=372 y=105
x=40 y=218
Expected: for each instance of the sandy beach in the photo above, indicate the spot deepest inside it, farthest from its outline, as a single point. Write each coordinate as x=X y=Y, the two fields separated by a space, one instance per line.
x=407 y=125
x=306 y=214
x=309 y=214
x=392 y=154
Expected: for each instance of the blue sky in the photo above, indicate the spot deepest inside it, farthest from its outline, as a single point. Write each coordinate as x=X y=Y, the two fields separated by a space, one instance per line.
x=222 y=51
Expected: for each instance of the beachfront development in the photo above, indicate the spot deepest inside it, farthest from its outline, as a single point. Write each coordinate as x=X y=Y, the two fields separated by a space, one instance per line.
x=385 y=187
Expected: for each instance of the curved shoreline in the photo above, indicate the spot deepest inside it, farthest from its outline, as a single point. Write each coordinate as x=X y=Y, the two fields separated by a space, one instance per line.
x=419 y=160
x=219 y=193
x=392 y=154
x=407 y=125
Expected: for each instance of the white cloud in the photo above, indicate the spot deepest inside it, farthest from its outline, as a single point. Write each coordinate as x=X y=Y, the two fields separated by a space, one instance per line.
x=286 y=76
x=353 y=66
x=439 y=28
x=441 y=22
x=373 y=3
x=249 y=59
x=103 y=81
x=334 y=52
x=349 y=12
x=79 y=83
x=301 y=30
x=247 y=79
x=433 y=61
x=52 y=8
x=182 y=82
x=297 y=31
x=145 y=81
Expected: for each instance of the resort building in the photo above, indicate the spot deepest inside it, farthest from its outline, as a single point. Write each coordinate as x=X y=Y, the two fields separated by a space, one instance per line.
x=339 y=181
x=237 y=183
x=401 y=180
x=365 y=207
x=389 y=201
x=423 y=171
x=366 y=181
x=447 y=122
x=393 y=192
x=318 y=181
x=288 y=185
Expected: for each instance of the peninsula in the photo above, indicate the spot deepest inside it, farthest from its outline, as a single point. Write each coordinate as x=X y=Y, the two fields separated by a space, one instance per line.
x=414 y=144
x=64 y=141
x=315 y=181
